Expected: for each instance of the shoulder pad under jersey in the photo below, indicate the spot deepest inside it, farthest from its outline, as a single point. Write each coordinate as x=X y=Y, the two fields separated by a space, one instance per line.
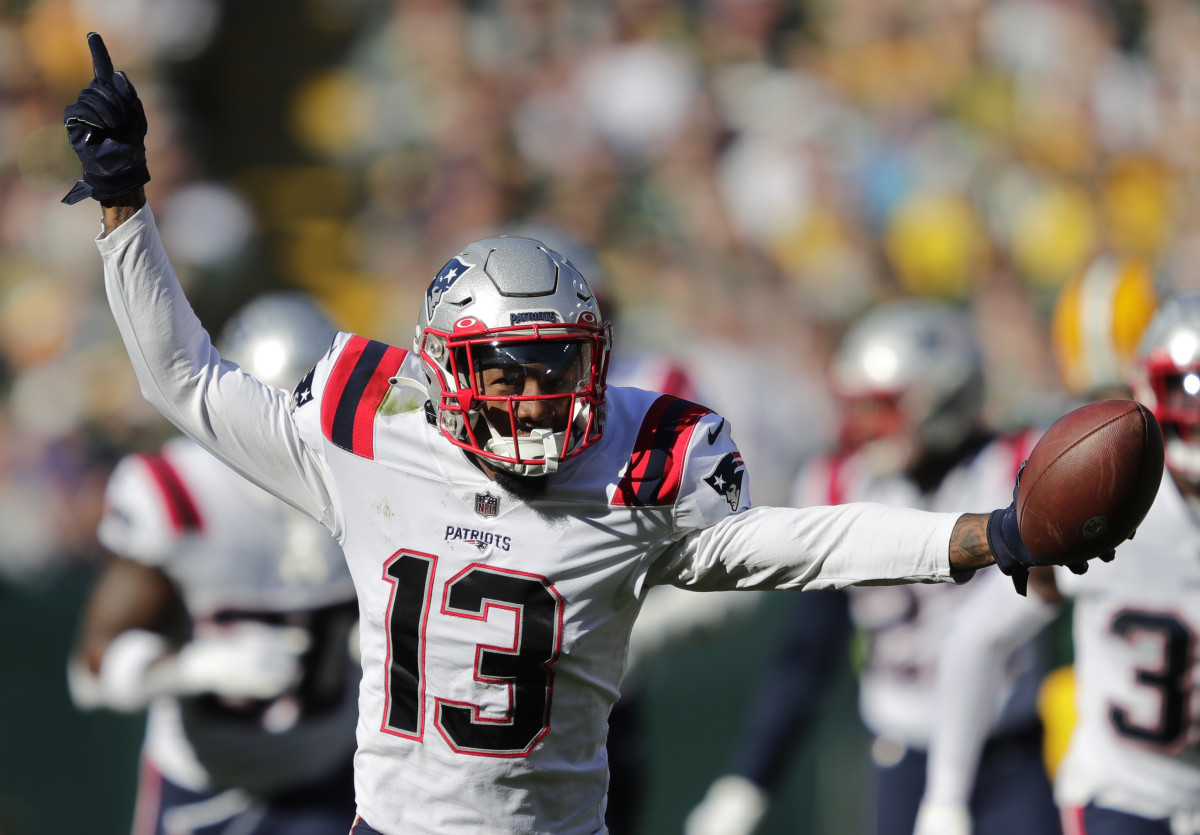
x=684 y=457
x=148 y=509
x=338 y=401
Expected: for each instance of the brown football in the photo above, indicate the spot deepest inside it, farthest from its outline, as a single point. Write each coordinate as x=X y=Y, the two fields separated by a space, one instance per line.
x=1090 y=480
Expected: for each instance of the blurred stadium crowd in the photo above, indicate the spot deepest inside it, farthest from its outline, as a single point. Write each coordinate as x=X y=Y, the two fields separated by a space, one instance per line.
x=752 y=175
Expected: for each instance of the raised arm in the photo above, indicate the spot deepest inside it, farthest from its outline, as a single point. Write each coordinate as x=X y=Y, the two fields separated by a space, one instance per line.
x=240 y=420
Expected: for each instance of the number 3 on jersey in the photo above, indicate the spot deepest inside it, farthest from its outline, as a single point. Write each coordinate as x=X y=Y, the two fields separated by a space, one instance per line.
x=1170 y=679
x=525 y=668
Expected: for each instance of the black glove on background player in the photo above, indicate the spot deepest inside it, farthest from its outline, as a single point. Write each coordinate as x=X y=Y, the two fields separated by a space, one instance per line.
x=107 y=129
x=1012 y=557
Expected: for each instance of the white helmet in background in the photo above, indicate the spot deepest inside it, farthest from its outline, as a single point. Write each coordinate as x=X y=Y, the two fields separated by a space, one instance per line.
x=1166 y=377
x=513 y=302
x=1098 y=319
x=910 y=379
x=277 y=337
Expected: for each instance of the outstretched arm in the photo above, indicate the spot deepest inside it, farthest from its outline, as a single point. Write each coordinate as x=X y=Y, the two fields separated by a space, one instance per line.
x=849 y=544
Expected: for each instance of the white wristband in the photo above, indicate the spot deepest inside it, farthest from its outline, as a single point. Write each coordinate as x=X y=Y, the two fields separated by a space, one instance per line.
x=123 y=684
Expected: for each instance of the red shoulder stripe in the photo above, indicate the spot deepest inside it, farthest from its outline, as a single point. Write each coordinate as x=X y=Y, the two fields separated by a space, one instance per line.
x=655 y=470
x=354 y=392
x=185 y=517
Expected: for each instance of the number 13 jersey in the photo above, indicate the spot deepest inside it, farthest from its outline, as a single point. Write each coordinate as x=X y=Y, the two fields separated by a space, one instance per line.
x=494 y=631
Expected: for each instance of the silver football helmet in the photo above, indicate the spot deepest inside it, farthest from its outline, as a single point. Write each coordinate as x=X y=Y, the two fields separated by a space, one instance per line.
x=912 y=372
x=277 y=337
x=1166 y=377
x=513 y=304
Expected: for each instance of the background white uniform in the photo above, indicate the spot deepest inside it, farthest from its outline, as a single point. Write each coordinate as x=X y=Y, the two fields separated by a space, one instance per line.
x=1136 y=666
x=906 y=626
x=236 y=553
x=493 y=632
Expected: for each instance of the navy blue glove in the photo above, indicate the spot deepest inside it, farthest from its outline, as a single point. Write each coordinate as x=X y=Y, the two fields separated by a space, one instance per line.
x=1012 y=557
x=107 y=129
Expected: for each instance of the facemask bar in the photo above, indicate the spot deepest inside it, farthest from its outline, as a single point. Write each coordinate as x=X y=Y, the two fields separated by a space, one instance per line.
x=460 y=358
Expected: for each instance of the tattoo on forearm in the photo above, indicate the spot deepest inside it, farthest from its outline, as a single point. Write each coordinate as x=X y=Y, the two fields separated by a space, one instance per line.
x=119 y=209
x=968 y=543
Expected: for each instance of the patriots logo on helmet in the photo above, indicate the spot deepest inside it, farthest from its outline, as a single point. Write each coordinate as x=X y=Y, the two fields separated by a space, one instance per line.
x=444 y=281
x=726 y=478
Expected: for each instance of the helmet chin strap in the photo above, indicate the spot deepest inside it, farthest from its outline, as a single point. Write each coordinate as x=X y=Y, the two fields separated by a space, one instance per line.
x=546 y=441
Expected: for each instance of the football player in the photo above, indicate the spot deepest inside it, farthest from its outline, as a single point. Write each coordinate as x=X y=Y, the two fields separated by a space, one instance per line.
x=1130 y=767
x=909 y=377
x=502 y=538
x=229 y=615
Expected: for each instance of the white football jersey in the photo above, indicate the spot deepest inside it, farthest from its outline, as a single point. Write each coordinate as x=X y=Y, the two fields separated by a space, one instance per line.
x=1136 y=622
x=904 y=626
x=493 y=631
x=235 y=552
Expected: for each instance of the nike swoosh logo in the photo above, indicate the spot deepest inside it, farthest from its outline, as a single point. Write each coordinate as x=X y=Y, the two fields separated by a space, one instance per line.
x=713 y=433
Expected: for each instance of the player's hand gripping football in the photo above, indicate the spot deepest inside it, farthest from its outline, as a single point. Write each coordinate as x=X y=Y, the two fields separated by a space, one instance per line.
x=1088 y=483
x=1012 y=555
x=107 y=128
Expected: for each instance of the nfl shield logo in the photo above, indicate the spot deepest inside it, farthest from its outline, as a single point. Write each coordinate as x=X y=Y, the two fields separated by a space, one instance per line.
x=486 y=504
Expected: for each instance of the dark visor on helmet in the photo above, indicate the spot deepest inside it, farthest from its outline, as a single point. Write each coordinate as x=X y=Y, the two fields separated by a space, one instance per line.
x=561 y=366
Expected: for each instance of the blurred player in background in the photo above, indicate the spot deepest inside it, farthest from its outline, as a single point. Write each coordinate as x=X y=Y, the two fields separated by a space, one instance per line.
x=1098 y=319
x=229 y=616
x=909 y=376
x=1130 y=767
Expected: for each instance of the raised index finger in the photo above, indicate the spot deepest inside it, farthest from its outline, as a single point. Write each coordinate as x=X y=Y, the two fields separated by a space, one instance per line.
x=101 y=64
